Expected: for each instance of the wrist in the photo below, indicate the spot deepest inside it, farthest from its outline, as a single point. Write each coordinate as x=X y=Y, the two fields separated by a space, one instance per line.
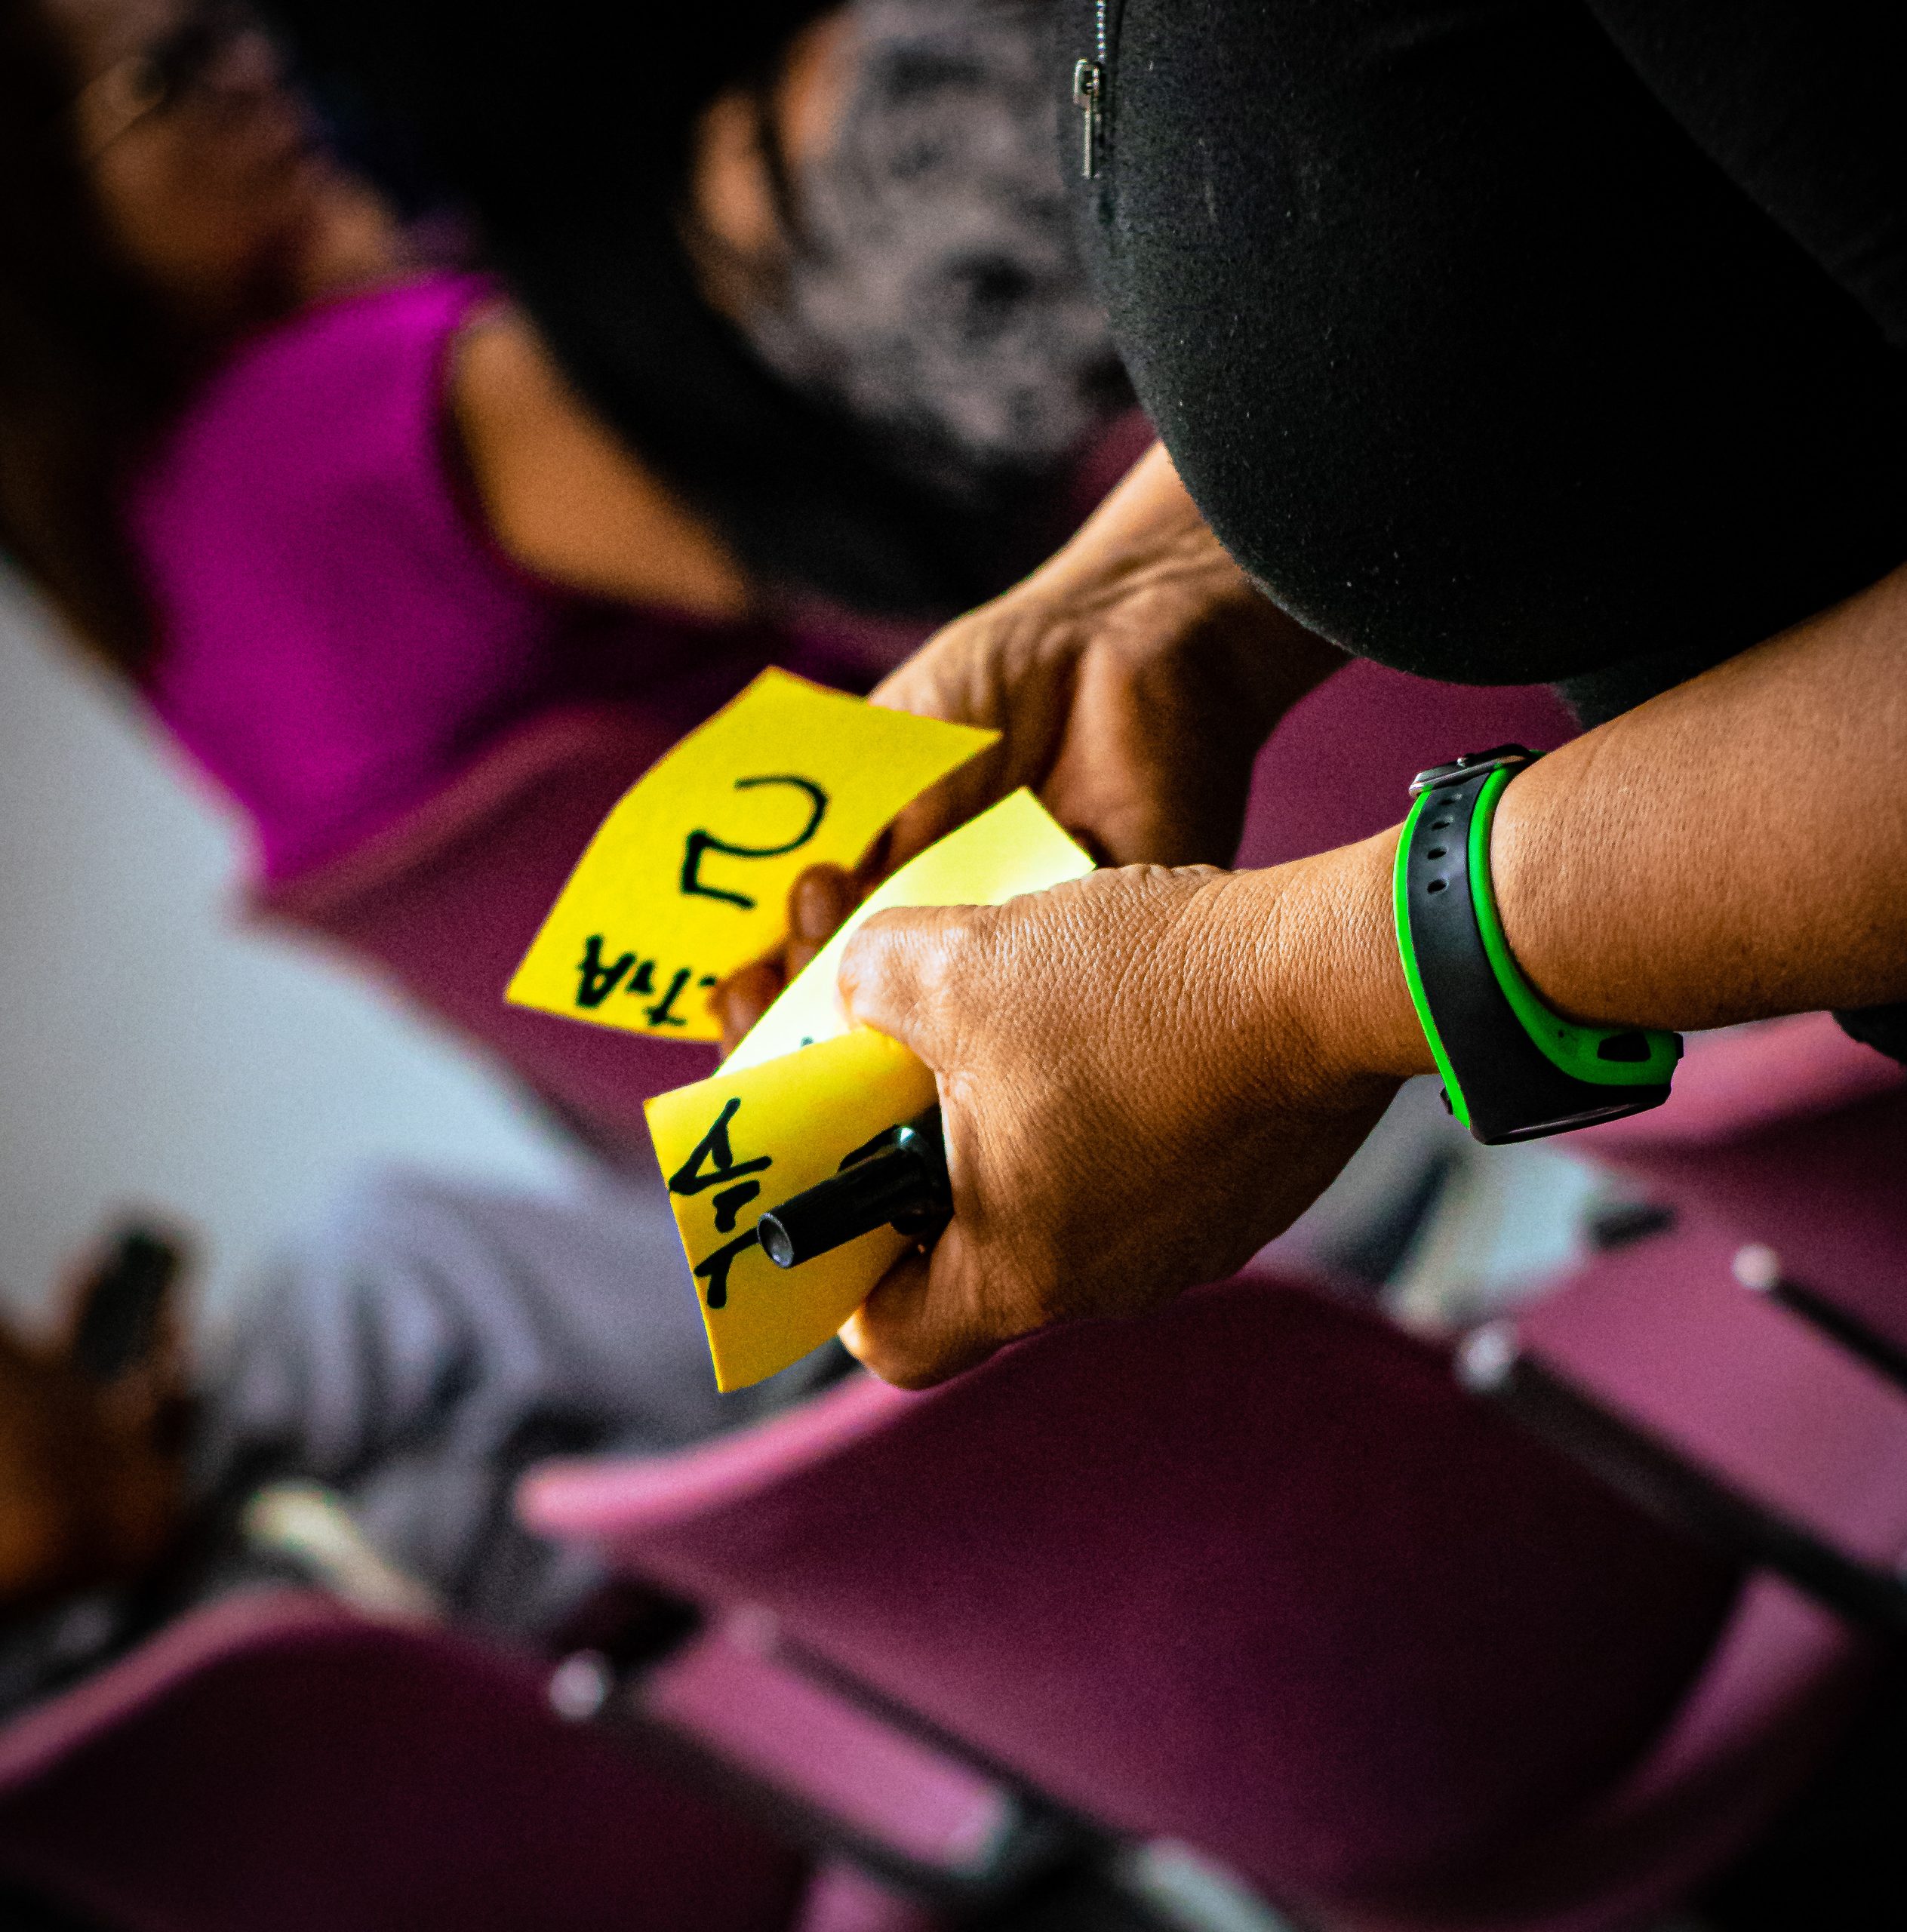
x=1329 y=978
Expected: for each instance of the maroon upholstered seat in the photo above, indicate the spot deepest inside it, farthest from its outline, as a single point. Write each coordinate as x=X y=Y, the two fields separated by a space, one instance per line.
x=274 y=1760
x=443 y=907
x=1251 y=1573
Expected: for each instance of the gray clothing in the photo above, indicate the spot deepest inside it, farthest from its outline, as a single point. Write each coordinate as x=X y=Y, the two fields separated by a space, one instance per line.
x=434 y=1339
x=414 y=1353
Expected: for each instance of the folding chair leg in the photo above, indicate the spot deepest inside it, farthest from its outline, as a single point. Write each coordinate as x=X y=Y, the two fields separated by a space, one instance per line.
x=1491 y=1363
x=1758 y=1267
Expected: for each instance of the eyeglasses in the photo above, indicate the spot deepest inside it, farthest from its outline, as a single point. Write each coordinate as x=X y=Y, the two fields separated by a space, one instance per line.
x=183 y=63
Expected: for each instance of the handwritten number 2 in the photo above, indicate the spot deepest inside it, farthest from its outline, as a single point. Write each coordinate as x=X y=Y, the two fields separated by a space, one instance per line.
x=700 y=843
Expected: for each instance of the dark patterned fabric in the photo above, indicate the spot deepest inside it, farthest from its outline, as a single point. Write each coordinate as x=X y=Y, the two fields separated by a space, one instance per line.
x=936 y=292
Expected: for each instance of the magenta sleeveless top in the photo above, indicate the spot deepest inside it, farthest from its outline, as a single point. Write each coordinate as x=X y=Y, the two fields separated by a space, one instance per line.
x=338 y=636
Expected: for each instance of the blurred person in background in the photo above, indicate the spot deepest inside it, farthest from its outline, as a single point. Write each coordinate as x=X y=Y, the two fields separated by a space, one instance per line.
x=360 y=1427
x=335 y=513
x=335 y=516
x=813 y=261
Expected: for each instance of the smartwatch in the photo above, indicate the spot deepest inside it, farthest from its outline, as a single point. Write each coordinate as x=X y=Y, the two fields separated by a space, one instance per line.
x=1512 y=1070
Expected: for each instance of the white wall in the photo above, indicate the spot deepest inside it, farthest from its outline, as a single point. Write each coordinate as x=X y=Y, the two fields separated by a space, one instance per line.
x=150 y=1053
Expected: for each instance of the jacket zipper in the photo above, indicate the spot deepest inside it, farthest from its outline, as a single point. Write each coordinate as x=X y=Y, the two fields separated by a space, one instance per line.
x=1090 y=79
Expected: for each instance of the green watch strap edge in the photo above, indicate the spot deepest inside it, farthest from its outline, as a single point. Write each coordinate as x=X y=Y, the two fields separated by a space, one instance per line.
x=1413 y=978
x=1570 y=1048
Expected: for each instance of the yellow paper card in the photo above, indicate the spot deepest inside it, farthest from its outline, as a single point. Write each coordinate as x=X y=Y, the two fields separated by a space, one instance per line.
x=687 y=879
x=784 y=1113
x=737 y=1146
x=1012 y=847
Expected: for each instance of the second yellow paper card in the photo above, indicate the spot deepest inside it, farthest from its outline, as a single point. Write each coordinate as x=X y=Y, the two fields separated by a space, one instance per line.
x=736 y=1146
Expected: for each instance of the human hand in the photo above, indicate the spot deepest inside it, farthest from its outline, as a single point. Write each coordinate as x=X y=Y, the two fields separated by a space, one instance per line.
x=1133 y=679
x=819 y=900
x=1144 y=1075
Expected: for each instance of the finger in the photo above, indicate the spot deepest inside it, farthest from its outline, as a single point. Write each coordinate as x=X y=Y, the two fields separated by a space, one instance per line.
x=818 y=903
x=895 y=972
x=742 y=998
x=981 y=680
x=919 y=1326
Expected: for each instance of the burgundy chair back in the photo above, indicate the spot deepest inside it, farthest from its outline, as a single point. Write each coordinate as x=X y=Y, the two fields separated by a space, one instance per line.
x=275 y=1761
x=1251 y=1573
x=444 y=906
x=1791 y=1134
x=1662 y=1335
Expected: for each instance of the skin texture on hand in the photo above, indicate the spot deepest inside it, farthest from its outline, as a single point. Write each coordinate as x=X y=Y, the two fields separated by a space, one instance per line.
x=1144 y=1077
x=1134 y=678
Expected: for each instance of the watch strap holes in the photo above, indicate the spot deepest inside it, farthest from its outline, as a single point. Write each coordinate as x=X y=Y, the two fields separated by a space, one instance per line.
x=1626 y=1047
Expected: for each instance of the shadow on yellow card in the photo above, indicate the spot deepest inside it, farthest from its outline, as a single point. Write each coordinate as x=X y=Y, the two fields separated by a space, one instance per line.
x=687 y=879
x=801 y=1094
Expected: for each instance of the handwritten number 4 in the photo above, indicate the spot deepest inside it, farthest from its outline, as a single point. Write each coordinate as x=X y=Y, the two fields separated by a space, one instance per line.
x=700 y=843
x=713 y=1150
x=711 y=1162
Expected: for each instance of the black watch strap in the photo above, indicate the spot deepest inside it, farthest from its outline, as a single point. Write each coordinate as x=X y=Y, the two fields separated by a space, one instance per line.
x=1498 y=1079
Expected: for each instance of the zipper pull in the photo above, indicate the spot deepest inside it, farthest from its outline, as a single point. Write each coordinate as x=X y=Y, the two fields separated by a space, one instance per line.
x=1089 y=96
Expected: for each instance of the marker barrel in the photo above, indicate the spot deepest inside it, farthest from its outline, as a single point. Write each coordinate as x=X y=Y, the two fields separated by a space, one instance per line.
x=902 y=1183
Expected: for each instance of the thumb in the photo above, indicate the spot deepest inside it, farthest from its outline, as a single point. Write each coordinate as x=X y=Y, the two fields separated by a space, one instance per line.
x=901 y=975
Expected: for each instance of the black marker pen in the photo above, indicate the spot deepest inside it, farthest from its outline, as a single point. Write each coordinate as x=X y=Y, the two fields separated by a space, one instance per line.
x=898 y=1179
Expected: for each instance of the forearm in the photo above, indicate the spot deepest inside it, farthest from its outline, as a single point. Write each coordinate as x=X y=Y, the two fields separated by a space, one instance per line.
x=565 y=499
x=1733 y=850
